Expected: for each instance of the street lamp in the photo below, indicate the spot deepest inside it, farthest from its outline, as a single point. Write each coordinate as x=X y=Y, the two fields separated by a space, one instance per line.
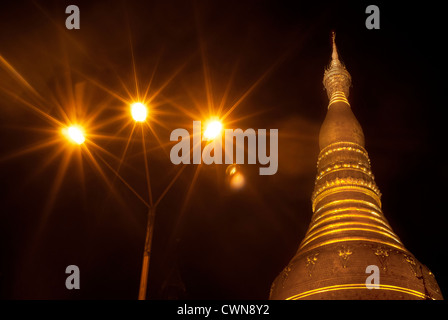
x=213 y=128
x=139 y=112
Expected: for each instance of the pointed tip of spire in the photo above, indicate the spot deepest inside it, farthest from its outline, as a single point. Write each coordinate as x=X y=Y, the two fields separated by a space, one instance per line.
x=332 y=76
x=334 y=54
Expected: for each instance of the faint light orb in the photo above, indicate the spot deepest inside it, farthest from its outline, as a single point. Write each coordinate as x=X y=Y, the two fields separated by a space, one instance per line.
x=139 y=111
x=237 y=181
x=235 y=177
x=75 y=134
x=213 y=129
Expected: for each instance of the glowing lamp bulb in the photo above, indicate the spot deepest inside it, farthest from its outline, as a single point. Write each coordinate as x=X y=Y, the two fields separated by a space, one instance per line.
x=213 y=130
x=75 y=134
x=139 y=111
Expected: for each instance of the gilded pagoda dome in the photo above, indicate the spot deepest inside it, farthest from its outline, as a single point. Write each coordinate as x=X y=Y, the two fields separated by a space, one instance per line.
x=349 y=235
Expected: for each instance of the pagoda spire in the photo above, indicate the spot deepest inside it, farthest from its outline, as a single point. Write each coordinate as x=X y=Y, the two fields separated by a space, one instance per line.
x=348 y=230
x=334 y=54
x=337 y=79
x=340 y=125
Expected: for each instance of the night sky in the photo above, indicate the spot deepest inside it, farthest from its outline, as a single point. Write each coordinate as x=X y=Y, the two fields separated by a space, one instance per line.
x=266 y=57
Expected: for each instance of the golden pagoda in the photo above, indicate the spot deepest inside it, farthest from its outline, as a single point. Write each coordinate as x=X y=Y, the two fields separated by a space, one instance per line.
x=348 y=230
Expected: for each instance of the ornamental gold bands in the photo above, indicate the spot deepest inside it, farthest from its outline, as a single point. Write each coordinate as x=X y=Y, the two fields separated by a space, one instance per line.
x=358 y=286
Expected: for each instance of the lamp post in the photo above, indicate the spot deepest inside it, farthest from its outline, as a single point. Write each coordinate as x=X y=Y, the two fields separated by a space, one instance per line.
x=147 y=253
x=139 y=113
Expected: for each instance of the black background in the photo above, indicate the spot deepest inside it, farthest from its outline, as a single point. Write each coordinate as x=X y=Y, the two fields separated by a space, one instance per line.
x=215 y=243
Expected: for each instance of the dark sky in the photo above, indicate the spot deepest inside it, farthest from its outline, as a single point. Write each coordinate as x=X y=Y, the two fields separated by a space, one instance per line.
x=213 y=242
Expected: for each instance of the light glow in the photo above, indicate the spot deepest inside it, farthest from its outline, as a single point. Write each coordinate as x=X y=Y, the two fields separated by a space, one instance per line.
x=74 y=134
x=237 y=181
x=213 y=130
x=236 y=177
x=139 y=111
